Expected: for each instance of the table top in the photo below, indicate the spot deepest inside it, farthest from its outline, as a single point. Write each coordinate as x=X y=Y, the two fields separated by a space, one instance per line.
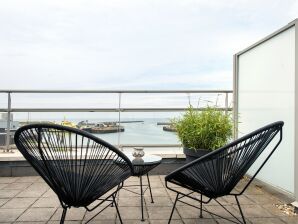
x=145 y=160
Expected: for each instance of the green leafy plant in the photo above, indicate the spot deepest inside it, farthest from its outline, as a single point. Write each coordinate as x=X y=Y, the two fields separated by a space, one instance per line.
x=208 y=129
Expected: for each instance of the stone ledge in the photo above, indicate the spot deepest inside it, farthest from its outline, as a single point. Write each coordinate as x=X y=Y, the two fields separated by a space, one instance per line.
x=12 y=167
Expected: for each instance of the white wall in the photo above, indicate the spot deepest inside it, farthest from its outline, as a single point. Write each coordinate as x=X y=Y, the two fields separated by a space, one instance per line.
x=266 y=75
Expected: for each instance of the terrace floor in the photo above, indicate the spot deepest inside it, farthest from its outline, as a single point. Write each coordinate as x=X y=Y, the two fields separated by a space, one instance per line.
x=30 y=200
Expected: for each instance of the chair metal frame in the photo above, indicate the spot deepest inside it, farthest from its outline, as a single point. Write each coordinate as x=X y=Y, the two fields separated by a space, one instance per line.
x=77 y=178
x=270 y=131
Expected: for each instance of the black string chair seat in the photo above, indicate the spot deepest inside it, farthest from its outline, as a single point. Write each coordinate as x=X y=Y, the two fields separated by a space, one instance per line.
x=78 y=166
x=217 y=173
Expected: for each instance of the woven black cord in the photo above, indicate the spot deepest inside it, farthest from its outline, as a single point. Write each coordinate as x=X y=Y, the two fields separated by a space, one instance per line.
x=78 y=166
x=217 y=173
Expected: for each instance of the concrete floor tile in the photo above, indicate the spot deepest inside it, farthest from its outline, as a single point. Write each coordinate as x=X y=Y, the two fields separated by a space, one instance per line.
x=266 y=221
x=17 y=186
x=129 y=201
x=157 y=192
x=132 y=180
x=243 y=200
x=66 y=222
x=108 y=214
x=224 y=221
x=154 y=177
x=165 y=221
x=3 y=201
x=28 y=179
x=290 y=219
x=7 y=193
x=127 y=192
x=188 y=212
x=19 y=203
x=264 y=199
x=132 y=212
x=199 y=221
x=103 y=222
x=132 y=221
x=49 y=193
x=8 y=180
x=39 y=180
x=37 y=214
x=51 y=202
x=158 y=201
x=72 y=214
x=255 y=211
x=10 y=215
x=30 y=200
x=39 y=186
x=34 y=190
x=161 y=213
x=29 y=194
x=218 y=210
x=156 y=184
x=274 y=210
x=29 y=222
x=251 y=190
x=186 y=200
x=3 y=185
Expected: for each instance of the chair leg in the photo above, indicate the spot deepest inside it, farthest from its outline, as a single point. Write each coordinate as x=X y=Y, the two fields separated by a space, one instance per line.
x=114 y=202
x=240 y=209
x=142 y=206
x=201 y=207
x=63 y=215
x=150 y=188
x=117 y=192
x=173 y=208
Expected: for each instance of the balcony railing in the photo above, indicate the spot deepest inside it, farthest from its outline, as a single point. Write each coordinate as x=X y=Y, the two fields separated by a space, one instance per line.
x=225 y=104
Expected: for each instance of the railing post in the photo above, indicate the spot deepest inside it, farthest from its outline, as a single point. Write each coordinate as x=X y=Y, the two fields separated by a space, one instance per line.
x=227 y=103
x=119 y=119
x=7 y=143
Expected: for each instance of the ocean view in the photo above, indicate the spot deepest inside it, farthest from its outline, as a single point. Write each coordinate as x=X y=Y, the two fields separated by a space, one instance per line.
x=147 y=132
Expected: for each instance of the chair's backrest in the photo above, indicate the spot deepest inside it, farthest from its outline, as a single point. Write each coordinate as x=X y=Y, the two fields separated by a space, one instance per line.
x=78 y=166
x=220 y=171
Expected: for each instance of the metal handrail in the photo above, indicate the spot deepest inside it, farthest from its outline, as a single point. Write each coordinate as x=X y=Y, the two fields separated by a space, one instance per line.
x=134 y=109
x=116 y=91
x=9 y=108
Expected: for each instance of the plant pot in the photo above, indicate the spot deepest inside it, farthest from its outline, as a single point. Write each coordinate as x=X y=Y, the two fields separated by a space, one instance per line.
x=194 y=154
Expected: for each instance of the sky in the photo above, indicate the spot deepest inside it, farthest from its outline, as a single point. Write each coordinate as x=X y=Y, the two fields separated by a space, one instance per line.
x=131 y=44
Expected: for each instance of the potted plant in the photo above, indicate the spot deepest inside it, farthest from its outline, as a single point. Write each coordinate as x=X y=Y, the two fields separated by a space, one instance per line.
x=200 y=132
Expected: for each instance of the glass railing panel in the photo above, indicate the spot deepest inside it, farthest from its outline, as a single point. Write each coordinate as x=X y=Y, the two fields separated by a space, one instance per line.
x=142 y=118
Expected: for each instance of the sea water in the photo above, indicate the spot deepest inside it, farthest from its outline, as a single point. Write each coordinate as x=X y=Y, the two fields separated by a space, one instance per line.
x=146 y=132
x=140 y=133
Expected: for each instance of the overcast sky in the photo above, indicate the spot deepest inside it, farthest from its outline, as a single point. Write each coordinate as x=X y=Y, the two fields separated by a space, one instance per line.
x=127 y=44
x=130 y=44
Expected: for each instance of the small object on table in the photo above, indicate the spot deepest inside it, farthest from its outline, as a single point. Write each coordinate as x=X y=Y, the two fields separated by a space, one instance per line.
x=141 y=166
x=138 y=152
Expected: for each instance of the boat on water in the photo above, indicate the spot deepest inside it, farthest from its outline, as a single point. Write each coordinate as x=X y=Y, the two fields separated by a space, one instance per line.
x=103 y=128
x=68 y=124
x=169 y=128
x=84 y=124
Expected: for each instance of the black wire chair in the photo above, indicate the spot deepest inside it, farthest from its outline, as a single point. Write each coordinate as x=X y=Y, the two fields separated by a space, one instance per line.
x=216 y=174
x=78 y=167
